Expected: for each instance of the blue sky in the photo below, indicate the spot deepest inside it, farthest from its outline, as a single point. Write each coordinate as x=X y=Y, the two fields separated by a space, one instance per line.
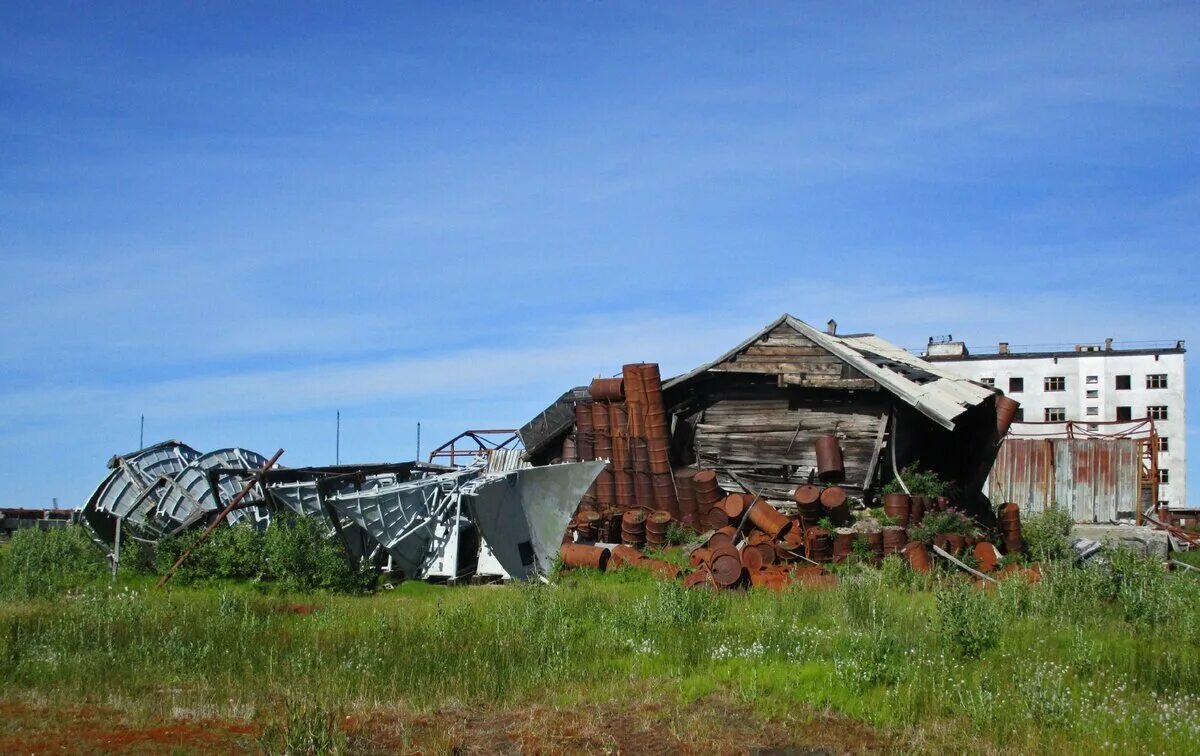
x=238 y=218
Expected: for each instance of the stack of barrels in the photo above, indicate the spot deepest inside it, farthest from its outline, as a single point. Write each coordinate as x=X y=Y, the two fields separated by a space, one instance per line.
x=1010 y=528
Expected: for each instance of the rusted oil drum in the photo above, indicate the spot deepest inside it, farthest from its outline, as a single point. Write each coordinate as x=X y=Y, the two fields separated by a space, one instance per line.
x=698 y=579
x=1013 y=543
x=585 y=435
x=726 y=568
x=570 y=453
x=894 y=539
x=607 y=389
x=898 y=505
x=606 y=487
x=768 y=519
x=818 y=544
x=624 y=555
x=767 y=551
x=720 y=539
x=956 y=543
x=708 y=493
x=790 y=543
x=829 y=460
x=917 y=556
x=987 y=556
x=658 y=522
x=734 y=506
x=770 y=579
x=592 y=522
x=833 y=501
x=751 y=558
x=686 y=492
x=843 y=544
x=917 y=506
x=664 y=493
x=716 y=518
x=807 y=495
x=662 y=570
x=575 y=555
x=643 y=490
x=874 y=540
x=1006 y=410
x=633 y=527
x=699 y=556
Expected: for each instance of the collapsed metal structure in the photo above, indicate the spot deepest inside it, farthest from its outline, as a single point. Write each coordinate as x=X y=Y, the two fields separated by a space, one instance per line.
x=422 y=520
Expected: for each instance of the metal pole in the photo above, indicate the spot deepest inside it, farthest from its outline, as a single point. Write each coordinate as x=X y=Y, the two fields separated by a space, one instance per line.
x=337 y=451
x=418 y=457
x=116 y=559
x=142 y=434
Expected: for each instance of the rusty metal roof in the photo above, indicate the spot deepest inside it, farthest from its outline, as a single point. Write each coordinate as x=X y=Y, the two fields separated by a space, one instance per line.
x=934 y=392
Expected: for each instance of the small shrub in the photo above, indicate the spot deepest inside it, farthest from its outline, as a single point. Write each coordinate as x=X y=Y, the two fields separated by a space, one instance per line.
x=1048 y=534
x=305 y=728
x=301 y=554
x=1141 y=588
x=920 y=482
x=39 y=563
x=968 y=621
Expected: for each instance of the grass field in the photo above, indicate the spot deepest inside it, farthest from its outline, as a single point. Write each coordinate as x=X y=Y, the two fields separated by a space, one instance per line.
x=1088 y=660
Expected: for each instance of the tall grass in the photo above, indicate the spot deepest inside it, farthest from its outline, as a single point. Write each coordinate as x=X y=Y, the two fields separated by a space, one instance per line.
x=1075 y=662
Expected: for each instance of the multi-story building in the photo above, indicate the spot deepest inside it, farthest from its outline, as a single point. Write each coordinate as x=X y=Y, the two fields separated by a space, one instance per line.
x=1090 y=384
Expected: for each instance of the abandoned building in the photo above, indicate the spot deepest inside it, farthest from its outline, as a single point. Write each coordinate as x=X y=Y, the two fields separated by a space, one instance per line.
x=752 y=414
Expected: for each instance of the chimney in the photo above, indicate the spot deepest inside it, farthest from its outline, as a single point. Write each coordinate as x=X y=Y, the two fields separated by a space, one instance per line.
x=831 y=327
x=1108 y=345
x=1003 y=347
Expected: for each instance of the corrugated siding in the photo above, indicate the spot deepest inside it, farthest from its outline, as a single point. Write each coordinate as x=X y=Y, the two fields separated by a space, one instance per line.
x=1095 y=479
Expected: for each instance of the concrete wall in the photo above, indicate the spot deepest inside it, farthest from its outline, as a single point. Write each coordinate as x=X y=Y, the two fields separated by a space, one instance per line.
x=1088 y=372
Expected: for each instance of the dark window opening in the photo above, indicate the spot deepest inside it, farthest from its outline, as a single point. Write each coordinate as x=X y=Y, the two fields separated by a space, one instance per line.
x=1124 y=414
x=1123 y=383
x=1016 y=385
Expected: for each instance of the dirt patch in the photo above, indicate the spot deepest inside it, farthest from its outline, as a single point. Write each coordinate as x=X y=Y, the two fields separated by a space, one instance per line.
x=709 y=726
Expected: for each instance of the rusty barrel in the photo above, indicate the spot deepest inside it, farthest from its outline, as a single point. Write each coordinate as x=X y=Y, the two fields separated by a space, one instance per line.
x=660 y=569
x=955 y=542
x=664 y=492
x=894 y=539
x=790 y=543
x=768 y=553
x=987 y=556
x=570 y=453
x=1006 y=410
x=770 y=579
x=1013 y=543
x=722 y=537
x=833 y=501
x=607 y=389
x=633 y=527
x=768 y=519
x=941 y=503
x=829 y=460
x=734 y=506
x=917 y=507
x=899 y=506
x=699 y=556
x=656 y=528
x=591 y=525
x=874 y=540
x=575 y=555
x=725 y=565
x=698 y=579
x=751 y=558
x=808 y=501
x=843 y=544
x=716 y=518
x=625 y=555
x=708 y=492
x=585 y=435
x=686 y=492
x=917 y=556
x=818 y=544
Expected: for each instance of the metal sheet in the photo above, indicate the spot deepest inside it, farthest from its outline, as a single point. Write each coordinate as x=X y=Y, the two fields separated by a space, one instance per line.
x=523 y=514
x=189 y=495
x=1094 y=479
x=133 y=488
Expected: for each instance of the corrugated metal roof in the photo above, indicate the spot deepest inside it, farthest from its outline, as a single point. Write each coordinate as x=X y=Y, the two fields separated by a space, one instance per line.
x=936 y=393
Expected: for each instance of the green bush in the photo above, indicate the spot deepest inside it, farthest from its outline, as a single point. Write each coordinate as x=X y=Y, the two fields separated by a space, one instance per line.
x=968 y=620
x=1048 y=534
x=295 y=554
x=920 y=482
x=48 y=562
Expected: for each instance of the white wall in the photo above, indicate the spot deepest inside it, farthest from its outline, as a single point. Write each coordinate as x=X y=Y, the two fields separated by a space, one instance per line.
x=1105 y=366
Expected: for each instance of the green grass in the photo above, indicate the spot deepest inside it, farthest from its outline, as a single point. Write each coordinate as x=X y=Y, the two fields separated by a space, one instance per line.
x=1084 y=661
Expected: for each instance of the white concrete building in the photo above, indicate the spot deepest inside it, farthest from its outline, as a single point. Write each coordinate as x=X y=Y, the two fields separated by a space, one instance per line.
x=1091 y=383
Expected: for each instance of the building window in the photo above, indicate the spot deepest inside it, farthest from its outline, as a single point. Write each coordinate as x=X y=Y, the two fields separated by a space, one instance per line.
x=1124 y=414
x=1162 y=444
x=1157 y=412
x=1055 y=383
x=1093 y=393
x=1093 y=411
x=988 y=381
x=1093 y=380
x=1019 y=415
x=1056 y=414
x=1016 y=385
x=1156 y=381
x=1123 y=383
x=1164 y=475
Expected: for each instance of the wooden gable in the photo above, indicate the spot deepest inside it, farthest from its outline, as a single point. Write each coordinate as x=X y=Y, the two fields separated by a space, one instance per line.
x=796 y=360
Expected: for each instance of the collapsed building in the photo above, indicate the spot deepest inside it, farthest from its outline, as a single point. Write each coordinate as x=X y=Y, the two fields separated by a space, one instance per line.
x=752 y=416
